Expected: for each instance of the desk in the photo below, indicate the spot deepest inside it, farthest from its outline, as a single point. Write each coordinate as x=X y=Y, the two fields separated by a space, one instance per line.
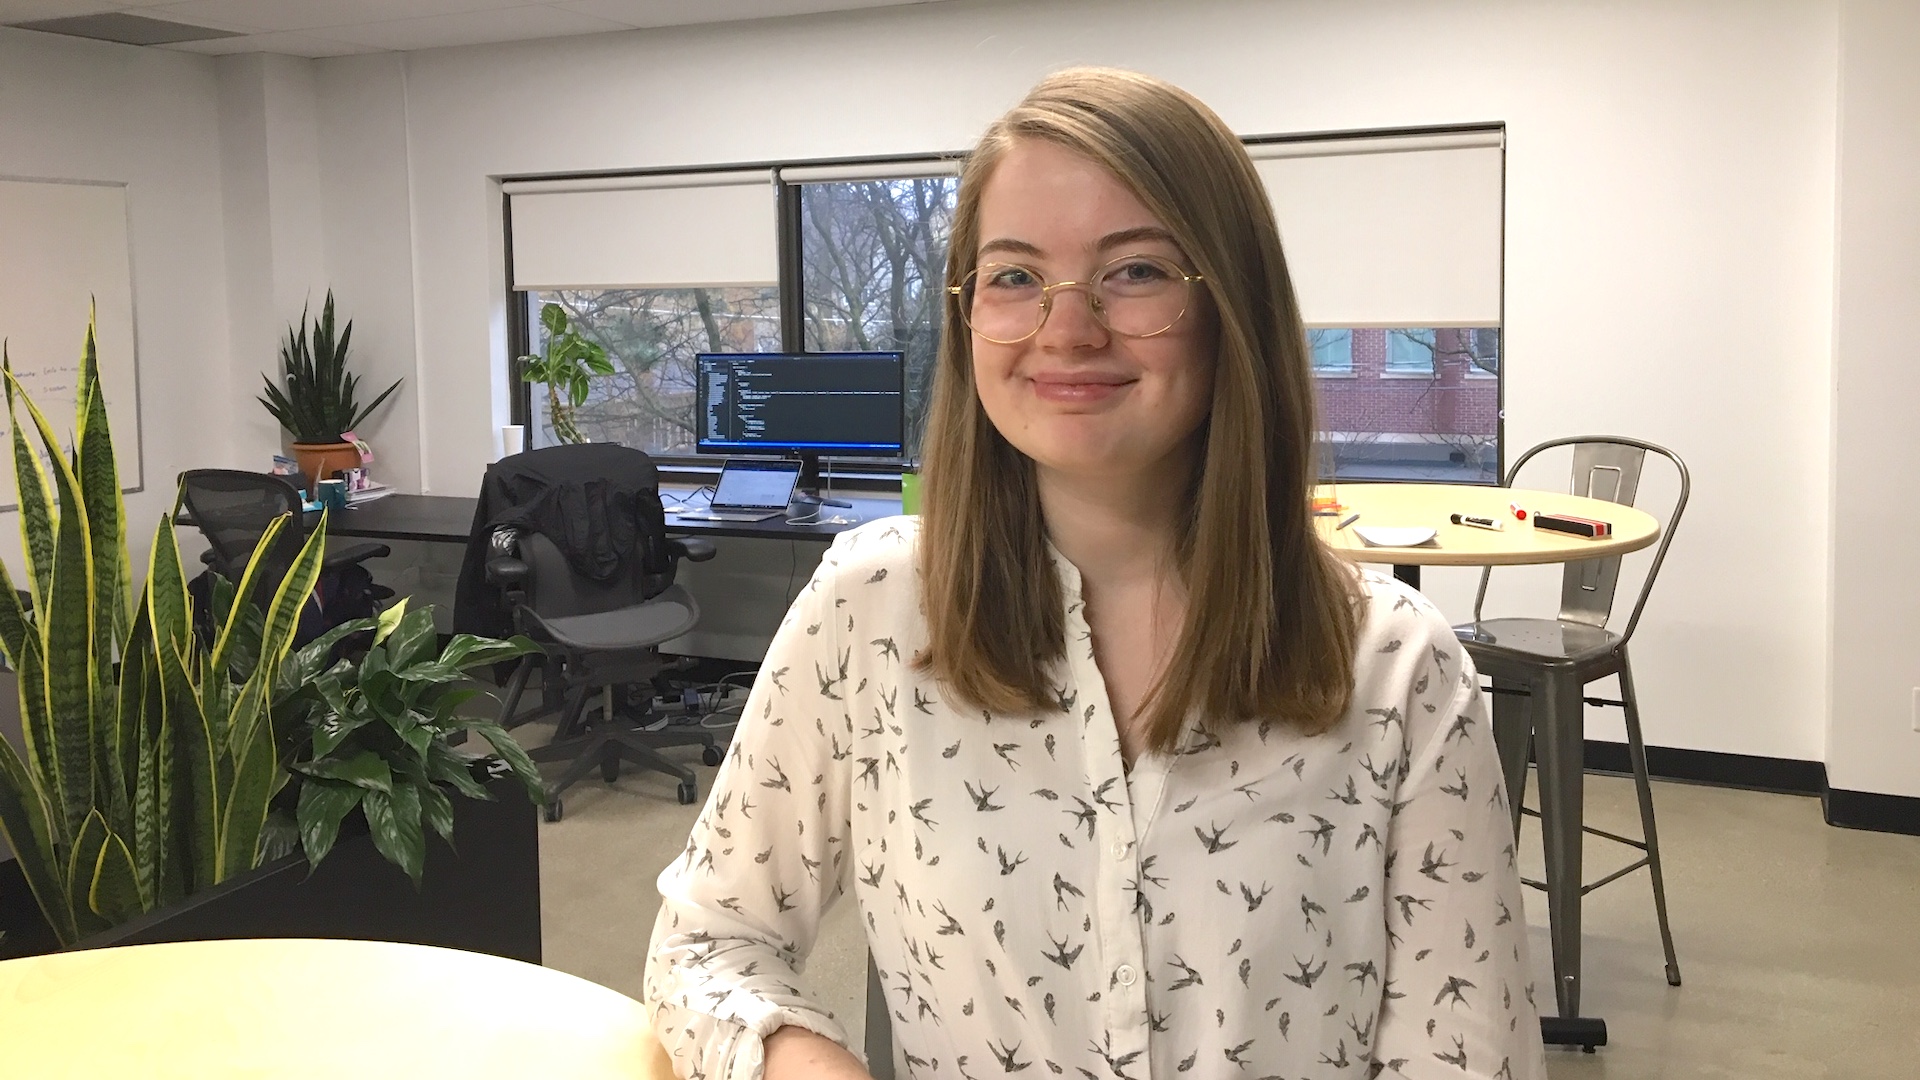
x=446 y=519
x=299 y=1008
x=1519 y=543
x=449 y=519
x=776 y=528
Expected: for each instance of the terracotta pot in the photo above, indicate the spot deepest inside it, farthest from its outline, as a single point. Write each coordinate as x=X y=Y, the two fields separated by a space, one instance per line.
x=321 y=460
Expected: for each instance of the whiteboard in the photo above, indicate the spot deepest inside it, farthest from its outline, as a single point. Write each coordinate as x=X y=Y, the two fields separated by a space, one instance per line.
x=63 y=245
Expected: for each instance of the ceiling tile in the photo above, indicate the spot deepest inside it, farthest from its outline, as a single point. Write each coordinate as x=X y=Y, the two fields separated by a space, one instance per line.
x=475 y=28
x=13 y=11
x=276 y=15
x=689 y=12
x=287 y=44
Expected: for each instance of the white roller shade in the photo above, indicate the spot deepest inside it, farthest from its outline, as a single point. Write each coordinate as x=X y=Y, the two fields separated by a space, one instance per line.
x=1391 y=231
x=689 y=230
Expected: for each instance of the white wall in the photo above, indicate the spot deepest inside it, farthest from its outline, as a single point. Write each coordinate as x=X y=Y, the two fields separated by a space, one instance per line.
x=1669 y=249
x=81 y=110
x=1874 y=514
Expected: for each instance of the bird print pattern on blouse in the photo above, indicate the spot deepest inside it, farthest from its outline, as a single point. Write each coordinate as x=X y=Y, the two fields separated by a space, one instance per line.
x=1258 y=905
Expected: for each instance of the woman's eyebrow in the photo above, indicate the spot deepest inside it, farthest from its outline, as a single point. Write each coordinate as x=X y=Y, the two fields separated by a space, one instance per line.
x=1134 y=236
x=1017 y=247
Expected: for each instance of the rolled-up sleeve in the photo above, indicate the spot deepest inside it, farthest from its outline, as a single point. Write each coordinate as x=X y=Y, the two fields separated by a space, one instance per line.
x=1458 y=1000
x=741 y=905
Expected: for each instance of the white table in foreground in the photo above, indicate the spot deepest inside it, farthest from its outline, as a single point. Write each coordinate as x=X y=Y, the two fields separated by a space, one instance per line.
x=1430 y=506
x=302 y=1008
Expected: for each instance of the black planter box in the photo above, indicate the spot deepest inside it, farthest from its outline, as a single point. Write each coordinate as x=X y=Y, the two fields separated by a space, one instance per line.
x=483 y=897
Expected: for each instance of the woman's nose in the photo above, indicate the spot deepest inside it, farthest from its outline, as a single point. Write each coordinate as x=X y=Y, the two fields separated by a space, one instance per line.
x=1073 y=321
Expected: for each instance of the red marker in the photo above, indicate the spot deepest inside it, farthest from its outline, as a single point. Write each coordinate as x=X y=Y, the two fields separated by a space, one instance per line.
x=1519 y=512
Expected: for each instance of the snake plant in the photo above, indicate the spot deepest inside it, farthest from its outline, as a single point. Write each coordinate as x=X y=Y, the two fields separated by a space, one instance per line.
x=144 y=771
x=317 y=402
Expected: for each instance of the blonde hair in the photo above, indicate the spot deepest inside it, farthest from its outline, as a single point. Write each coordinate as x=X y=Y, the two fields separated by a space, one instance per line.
x=1272 y=613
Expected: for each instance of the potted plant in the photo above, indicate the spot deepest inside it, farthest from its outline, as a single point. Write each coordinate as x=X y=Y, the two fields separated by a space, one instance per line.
x=316 y=398
x=568 y=362
x=373 y=735
x=151 y=797
x=145 y=772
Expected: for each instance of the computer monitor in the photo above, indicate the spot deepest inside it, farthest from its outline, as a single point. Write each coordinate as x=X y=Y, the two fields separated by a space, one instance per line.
x=801 y=405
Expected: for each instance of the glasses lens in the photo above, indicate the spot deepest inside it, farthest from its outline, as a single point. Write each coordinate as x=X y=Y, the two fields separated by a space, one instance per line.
x=1142 y=295
x=1002 y=302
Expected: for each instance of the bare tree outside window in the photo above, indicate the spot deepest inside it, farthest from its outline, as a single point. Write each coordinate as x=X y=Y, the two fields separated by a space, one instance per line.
x=874 y=262
x=652 y=336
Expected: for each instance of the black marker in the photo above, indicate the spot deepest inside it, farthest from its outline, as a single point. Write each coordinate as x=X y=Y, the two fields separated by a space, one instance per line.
x=1477 y=522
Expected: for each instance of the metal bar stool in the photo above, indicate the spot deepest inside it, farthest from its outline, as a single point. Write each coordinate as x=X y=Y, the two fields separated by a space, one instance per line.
x=1540 y=669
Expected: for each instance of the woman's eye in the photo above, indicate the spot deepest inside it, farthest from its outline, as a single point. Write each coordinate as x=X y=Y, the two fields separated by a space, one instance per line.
x=1009 y=277
x=1137 y=272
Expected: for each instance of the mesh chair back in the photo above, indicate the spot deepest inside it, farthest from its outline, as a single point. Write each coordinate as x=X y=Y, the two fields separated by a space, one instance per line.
x=1606 y=467
x=600 y=497
x=232 y=509
x=556 y=592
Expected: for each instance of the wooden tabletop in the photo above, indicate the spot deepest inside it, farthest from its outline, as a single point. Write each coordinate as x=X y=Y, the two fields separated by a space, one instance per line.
x=1431 y=505
x=297 y=1008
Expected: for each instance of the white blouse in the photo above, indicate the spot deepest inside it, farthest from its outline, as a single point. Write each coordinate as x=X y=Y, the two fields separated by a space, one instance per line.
x=1260 y=904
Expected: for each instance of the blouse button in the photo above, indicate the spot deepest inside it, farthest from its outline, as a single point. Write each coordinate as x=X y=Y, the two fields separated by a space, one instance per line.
x=1124 y=974
x=1119 y=849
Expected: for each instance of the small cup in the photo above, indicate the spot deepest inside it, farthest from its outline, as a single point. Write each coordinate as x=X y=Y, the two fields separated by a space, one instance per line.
x=909 y=493
x=333 y=494
x=513 y=439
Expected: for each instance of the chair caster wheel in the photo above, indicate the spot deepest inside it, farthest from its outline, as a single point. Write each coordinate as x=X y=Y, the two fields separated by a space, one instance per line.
x=553 y=810
x=610 y=769
x=1673 y=975
x=688 y=793
x=711 y=756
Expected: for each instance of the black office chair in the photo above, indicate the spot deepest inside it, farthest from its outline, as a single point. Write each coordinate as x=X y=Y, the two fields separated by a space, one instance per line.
x=596 y=635
x=232 y=508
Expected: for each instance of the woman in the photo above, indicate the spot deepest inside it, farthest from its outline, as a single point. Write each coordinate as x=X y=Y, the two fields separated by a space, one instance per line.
x=1129 y=775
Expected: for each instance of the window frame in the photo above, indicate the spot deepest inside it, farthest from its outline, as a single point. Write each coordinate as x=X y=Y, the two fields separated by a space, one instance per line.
x=881 y=475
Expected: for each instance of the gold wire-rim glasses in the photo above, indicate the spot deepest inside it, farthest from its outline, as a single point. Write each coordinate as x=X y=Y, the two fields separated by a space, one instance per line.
x=962 y=292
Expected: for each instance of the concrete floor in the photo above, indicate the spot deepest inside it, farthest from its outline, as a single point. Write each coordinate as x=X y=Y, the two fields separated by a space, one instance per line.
x=1797 y=941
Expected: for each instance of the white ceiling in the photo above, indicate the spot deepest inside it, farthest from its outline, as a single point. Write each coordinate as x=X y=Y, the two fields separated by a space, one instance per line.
x=340 y=27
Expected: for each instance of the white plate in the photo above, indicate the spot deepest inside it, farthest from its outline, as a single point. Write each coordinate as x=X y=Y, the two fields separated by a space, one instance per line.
x=1394 y=536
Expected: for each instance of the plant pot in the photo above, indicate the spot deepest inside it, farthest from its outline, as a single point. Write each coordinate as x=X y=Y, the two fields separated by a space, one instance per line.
x=321 y=460
x=484 y=897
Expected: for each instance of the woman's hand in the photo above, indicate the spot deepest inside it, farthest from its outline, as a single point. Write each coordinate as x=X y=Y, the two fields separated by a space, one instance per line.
x=794 y=1053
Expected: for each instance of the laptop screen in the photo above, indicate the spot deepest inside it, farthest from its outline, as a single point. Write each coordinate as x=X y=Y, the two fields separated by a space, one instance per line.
x=764 y=485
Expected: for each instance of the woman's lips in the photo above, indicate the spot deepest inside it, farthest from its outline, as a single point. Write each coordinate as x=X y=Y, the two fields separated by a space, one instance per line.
x=1077 y=391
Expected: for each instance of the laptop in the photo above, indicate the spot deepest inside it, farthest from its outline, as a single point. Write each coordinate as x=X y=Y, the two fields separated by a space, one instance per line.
x=749 y=491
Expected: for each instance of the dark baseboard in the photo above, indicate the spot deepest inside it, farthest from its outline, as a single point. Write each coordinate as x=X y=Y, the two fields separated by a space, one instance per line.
x=1873 y=811
x=1785 y=775
x=1845 y=809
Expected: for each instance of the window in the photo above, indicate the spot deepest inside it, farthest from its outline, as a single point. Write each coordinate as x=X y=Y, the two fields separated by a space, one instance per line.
x=653 y=269
x=873 y=264
x=1410 y=352
x=651 y=335
x=1332 y=351
x=1420 y=404
x=1393 y=241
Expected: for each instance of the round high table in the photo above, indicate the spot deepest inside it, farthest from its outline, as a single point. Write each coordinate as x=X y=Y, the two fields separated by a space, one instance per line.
x=299 y=1008
x=1516 y=543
